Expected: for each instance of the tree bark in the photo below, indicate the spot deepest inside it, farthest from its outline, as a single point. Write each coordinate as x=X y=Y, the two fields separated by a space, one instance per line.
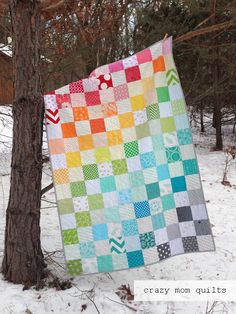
x=23 y=258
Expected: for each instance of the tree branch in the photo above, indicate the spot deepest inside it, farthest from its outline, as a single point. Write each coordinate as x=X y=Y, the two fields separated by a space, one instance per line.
x=46 y=189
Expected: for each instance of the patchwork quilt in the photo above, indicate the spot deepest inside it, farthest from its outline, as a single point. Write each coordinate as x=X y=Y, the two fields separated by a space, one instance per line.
x=124 y=167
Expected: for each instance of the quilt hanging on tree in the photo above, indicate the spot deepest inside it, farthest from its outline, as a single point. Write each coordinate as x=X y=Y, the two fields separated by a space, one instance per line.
x=124 y=167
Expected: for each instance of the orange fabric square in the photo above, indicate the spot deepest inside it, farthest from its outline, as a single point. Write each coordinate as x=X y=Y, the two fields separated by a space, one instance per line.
x=97 y=126
x=56 y=146
x=61 y=176
x=159 y=64
x=68 y=130
x=80 y=113
x=114 y=137
x=85 y=142
x=126 y=120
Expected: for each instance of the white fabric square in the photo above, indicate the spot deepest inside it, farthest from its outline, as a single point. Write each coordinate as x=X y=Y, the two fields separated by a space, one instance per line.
x=145 y=145
x=78 y=100
x=161 y=236
x=50 y=102
x=199 y=212
x=82 y=128
x=181 y=199
x=133 y=164
x=81 y=204
x=176 y=246
x=90 y=265
x=63 y=191
x=145 y=225
x=123 y=106
x=171 y=217
x=165 y=109
x=88 y=157
x=150 y=175
x=140 y=117
x=155 y=127
x=187 y=229
x=95 y=112
x=156 y=50
x=151 y=97
x=97 y=216
x=72 y=251
x=130 y=62
x=176 y=169
x=107 y=95
x=117 y=152
x=71 y=144
x=135 y=88
x=110 y=199
x=160 y=79
x=118 y=78
x=68 y=221
x=150 y=255
x=112 y=123
x=90 y=84
x=122 y=181
x=114 y=229
x=187 y=152
x=105 y=169
x=58 y=161
x=54 y=131
x=93 y=186
x=76 y=174
x=165 y=187
x=126 y=212
x=102 y=247
x=175 y=92
x=128 y=135
x=146 y=69
x=85 y=234
x=193 y=182
x=155 y=206
x=170 y=139
x=63 y=90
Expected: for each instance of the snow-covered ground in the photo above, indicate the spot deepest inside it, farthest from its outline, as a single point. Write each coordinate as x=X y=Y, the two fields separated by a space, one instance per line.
x=97 y=293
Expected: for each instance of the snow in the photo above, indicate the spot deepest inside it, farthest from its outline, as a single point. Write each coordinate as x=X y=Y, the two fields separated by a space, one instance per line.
x=101 y=288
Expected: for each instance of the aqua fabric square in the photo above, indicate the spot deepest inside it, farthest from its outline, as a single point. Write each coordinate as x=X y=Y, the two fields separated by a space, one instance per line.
x=108 y=184
x=100 y=232
x=136 y=178
x=190 y=166
x=173 y=154
x=135 y=259
x=157 y=142
x=148 y=160
x=153 y=190
x=181 y=121
x=178 y=184
x=168 y=201
x=163 y=94
x=147 y=240
x=129 y=227
x=142 y=209
x=163 y=172
x=158 y=221
x=184 y=136
x=105 y=263
x=125 y=196
x=87 y=249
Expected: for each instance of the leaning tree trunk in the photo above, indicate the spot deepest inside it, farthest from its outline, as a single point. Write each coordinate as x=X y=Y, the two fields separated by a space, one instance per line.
x=23 y=258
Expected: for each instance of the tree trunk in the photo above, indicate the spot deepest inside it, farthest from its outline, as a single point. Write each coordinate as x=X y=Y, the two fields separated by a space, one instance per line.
x=23 y=258
x=202 y=117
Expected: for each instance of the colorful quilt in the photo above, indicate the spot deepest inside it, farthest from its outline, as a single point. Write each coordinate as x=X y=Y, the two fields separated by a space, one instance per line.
x=124 y=167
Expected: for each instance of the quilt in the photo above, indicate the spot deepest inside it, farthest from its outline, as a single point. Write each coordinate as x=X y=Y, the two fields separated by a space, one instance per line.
x=124 y=167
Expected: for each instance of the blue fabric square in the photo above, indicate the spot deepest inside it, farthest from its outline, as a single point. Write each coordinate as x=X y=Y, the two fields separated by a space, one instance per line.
x=158 y=221
x=108 y=184
x=130 y=227
x=135 y=259
x=100 y=232
x=163 y=172
x=87 y=249
x=153 y=190
x=142 y=209
x=190 y=166
x=148 y=160
x=184 y=136
x=125 y=196
x=181 y=121
x=178 y=184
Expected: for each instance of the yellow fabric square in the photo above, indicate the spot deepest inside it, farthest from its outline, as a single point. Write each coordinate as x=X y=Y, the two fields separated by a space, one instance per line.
x=73 y=159
x=137 y=102
x=126 y=120
x=148 y=84
x=61 y=176
x=102 y=154
x=114 y=137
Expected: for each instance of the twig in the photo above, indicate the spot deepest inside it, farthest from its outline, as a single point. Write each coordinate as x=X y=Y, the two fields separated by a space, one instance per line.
x=129 y=306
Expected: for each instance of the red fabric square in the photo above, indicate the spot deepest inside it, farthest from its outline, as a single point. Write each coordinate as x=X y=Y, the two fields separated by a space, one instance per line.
x=132 y=74
x=76 y=87
x=144 y=56
x=63 y=100
x=92 y=98
x=105 y=81
x=97 y=126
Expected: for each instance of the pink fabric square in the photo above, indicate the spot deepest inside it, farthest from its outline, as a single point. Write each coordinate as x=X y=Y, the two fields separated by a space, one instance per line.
x=76 y=87
x=132 y=74
x=121 y=92
x=167 y=46
x=116 y=66
x=63 y=101
x=92 y=98
x=144 y=56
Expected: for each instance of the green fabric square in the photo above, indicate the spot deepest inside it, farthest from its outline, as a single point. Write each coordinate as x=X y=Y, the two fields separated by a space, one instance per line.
x=70 y=236
x=105 y=263
x=102 y=154
x=173 y=154
x=95 y=201
x=74 y=267
x=78 y=189
x=136 y=178
x=168 y=124
x=163 y=94
x=178 y=107
x=112 y=215
x=108 y=184
x=119 y=166
x=65 y=206
x=131 y=149
x=90 y=172
x=83 y=219
x=142 y=130
x=168 y=201
x=153 y=112
x=153 y=190
x=190 y=166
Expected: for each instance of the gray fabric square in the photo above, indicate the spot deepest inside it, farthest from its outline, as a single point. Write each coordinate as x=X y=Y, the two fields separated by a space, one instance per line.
x=187 y=228
x=195 y=197
x=163 y=250
x=173 y=231
x=184 y=213
x=190 y=244
x=176 y=246
x=205 y=243
x=199 y=211
x=202 y=227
